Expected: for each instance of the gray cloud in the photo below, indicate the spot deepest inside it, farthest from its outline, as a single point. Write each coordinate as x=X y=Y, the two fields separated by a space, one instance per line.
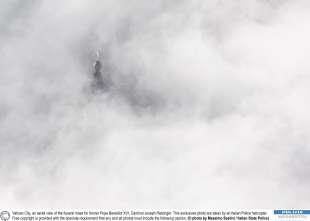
x=208 y=105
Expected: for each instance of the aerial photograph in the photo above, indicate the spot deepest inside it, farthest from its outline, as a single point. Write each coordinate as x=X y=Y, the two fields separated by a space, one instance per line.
x=154 y=104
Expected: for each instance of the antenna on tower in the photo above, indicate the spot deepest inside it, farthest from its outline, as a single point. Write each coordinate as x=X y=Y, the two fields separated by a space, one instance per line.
x=97 y=63
x=99 y=54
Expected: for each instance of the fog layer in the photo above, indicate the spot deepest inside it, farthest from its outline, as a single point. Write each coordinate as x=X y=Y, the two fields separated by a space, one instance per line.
x=208 y=106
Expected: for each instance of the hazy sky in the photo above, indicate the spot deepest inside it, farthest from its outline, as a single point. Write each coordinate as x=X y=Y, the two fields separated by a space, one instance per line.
x=209 y=106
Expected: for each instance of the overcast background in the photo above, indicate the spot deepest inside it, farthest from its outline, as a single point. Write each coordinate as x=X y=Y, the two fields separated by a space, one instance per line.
x=209 y=106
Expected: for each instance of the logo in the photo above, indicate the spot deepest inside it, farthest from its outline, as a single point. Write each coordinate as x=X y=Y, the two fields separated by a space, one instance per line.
x=4 y=215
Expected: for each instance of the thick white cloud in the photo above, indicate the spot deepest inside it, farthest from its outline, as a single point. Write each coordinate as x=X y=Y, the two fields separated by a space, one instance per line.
x=209 y=105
